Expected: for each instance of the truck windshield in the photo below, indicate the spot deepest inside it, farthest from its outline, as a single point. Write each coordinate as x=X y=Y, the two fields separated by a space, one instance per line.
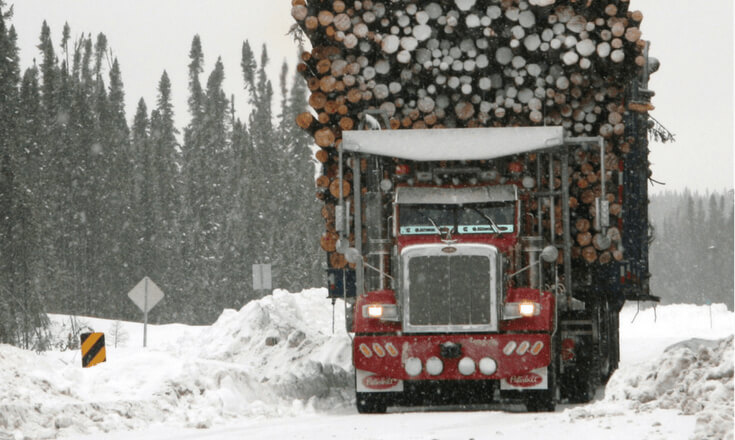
x=486 y=218
x=417 y=219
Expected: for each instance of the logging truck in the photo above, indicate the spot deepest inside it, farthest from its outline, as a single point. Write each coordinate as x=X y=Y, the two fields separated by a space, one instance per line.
x=486 y=231
x=467 y=285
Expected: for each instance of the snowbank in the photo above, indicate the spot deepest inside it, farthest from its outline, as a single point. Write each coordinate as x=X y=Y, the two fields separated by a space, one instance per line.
x=274 y=357
x=694 y=377
x=277 y=358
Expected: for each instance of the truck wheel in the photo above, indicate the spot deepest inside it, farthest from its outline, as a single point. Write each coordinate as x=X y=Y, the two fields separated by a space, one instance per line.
x=545 y=400
x=541 y=401
x=607 y=344
x=581 y=384
x=611 y=354
x=371 y=403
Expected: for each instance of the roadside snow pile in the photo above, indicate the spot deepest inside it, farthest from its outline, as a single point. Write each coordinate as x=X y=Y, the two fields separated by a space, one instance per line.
x=274 y=357
x=666 y=325
x=285 y=340
x=694 y=377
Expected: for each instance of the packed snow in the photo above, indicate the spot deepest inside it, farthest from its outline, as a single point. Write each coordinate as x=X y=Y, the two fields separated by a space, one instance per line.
x=276 y=369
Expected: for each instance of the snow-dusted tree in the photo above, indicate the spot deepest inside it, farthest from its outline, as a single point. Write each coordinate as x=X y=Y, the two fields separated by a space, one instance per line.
x=263 y=169
x=166 y=196
x=118 y=334
x=119 y=195
x=143 y=209
x=305 y=268
x=191 y=178
x=21 y=314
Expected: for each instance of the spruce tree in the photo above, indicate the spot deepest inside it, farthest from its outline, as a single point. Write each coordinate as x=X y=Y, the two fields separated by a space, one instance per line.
x=119 y=189
x=167 y=245
x=143 y=203
x=265 y=204
x=306 y=267
x=21 y=311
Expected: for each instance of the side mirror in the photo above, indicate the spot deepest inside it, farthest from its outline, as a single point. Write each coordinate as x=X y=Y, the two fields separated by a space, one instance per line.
x=549 y=254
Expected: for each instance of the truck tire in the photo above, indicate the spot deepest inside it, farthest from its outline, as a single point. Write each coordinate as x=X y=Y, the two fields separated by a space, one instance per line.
x=371 y=403
x=540 y=401
x=581 y=383
x=545 y=400
x=611 y=325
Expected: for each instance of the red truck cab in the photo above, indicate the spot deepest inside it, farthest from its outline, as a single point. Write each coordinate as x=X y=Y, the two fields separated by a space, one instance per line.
x=459 y=310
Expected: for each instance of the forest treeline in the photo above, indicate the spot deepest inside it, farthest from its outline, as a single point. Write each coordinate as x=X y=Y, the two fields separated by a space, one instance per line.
x=691 y=257
x=89 y=205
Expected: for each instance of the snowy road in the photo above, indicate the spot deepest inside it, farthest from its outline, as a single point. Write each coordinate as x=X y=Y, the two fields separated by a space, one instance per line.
x=574 y=423
x=274 y=370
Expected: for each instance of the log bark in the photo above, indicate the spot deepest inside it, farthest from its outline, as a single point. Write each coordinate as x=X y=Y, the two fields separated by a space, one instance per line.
x=304 y=120
x=324 y=137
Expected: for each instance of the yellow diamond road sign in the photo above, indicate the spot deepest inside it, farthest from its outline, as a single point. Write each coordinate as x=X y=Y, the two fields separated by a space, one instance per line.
x=146 y=288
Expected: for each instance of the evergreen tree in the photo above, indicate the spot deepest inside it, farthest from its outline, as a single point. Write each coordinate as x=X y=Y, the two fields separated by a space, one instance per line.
x=119 y=190
x=304 y=267
x=239 y=238
x=21 y=312
x=263 y=168
x=143 y=202
x=167 y=249
x=193 y=181
x=217 y=166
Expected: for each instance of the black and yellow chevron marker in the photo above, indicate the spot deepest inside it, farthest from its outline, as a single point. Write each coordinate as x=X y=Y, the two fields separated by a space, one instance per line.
x=93 y=349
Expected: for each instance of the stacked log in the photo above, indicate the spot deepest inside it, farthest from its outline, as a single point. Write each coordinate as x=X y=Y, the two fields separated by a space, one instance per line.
x=465 y=63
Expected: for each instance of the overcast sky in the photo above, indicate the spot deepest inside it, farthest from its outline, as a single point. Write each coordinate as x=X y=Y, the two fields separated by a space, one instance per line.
x=693 y=39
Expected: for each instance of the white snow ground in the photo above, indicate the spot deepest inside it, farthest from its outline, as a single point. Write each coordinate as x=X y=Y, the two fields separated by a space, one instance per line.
x=275 y=370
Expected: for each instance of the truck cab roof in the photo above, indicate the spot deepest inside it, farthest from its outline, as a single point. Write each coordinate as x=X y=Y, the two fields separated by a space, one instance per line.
x=431 y=195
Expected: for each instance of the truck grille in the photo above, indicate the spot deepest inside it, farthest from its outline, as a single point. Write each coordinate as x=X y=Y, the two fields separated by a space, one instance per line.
x=450 y=291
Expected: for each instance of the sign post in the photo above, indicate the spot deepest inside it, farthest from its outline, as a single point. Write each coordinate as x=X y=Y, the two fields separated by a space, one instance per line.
x=145 y=295
x=262 y=279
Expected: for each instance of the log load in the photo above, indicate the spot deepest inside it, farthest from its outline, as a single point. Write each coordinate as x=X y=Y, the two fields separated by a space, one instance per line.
x=467 y=63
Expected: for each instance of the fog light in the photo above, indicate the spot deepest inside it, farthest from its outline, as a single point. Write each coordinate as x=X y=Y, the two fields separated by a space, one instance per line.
x=488 y=366
x=434 y=366
x=466 y=366
x=413 y=366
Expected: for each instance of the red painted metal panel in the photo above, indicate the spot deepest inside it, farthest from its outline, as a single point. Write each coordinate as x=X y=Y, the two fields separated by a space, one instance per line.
x=543 y=322
x=391 y=364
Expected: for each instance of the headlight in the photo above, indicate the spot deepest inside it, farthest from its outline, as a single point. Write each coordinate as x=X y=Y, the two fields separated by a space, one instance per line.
x=523 y=309
x=386 y=312
x=527 y=309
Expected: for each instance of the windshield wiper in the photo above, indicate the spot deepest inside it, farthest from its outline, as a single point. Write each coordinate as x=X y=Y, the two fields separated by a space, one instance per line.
x=433 y=223
x=486 y=217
